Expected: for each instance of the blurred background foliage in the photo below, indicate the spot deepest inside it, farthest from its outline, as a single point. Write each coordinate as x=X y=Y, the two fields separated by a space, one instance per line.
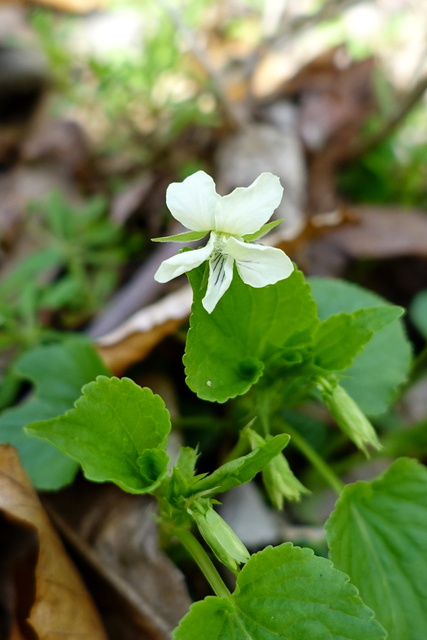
x=133 y=76
x=103 y=103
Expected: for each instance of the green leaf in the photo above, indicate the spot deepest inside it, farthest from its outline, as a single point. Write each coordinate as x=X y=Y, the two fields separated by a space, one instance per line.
x=406 y=441
x=284 y=593
x=227 y=350
x=112 y=425
x=377 y=535
x=153 y=466
x=418 y=312
x=241 y=469
x=30 y=268
x=186 y=462
x=376 y=374
x=251 y=237
x=58 y=373
x=188 y=236
x=342 y=336
x=61 y=293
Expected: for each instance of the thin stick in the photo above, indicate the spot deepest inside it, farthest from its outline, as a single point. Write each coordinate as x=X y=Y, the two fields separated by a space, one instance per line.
x=407 y=104
x=231 y=111
x=292 y=28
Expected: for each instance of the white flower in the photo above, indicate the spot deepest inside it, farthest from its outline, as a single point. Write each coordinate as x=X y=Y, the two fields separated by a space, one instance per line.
x=231 y=221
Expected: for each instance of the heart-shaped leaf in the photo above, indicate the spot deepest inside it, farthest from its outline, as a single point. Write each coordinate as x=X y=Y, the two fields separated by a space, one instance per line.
x=284 y=593
x=377 y=535
x=113 y=423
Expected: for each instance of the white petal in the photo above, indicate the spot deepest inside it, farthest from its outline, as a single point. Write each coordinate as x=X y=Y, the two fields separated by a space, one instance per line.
x=258 y=265
x=194 y=201
x=245 y=210
x=182 y=262
x=220 y=277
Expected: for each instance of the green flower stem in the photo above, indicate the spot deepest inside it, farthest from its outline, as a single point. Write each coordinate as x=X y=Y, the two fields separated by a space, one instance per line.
x=419 y=367
x=205 y=564
x=317 y=461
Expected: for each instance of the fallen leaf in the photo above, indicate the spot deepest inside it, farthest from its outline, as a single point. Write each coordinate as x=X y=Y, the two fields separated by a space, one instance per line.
x=140 y=592
x=72 y=6
x=335 y=95
x=136 y=337
x=376 y=232
x=18 y=558
x=61 y=605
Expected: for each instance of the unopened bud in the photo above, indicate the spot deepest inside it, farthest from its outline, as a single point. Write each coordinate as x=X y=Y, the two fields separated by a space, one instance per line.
x=279 y=481
x=349 y=417
x=225 y=544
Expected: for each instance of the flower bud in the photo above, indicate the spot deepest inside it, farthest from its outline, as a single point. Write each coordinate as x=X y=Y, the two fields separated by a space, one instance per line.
x=279 y=481
x=225 y=544
x=349 y=417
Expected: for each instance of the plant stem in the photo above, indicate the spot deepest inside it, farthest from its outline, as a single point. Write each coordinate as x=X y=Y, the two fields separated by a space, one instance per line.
x=419 y=367
x=205 y=564
x=317 y=461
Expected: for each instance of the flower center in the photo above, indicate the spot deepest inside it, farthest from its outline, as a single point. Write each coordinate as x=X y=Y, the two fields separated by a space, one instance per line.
x=218 y=244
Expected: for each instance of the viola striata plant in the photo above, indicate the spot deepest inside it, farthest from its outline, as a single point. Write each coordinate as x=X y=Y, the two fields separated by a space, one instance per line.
x=275 y=349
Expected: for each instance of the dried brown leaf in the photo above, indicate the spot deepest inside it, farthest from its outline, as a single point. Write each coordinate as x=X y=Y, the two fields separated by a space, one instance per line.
x=141 y=594
x=18 y=558
x=61 y=605
x=135 y=338
x=377 y=232
x=72 y=6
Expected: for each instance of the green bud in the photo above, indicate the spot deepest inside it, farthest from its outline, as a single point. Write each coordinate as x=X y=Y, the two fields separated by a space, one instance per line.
x=279 y=481
x=225 y=544
x=349 y=417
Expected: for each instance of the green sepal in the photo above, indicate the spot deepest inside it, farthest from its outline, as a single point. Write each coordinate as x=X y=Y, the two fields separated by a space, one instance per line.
x=186 y=461
x=251 y=237
x=183 y=474
x=188 y=236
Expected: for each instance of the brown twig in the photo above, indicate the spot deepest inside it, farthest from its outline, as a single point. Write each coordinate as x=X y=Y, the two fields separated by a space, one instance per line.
x=288 y=29
x=292 y=28
x=406 y=105
x=234 y=115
